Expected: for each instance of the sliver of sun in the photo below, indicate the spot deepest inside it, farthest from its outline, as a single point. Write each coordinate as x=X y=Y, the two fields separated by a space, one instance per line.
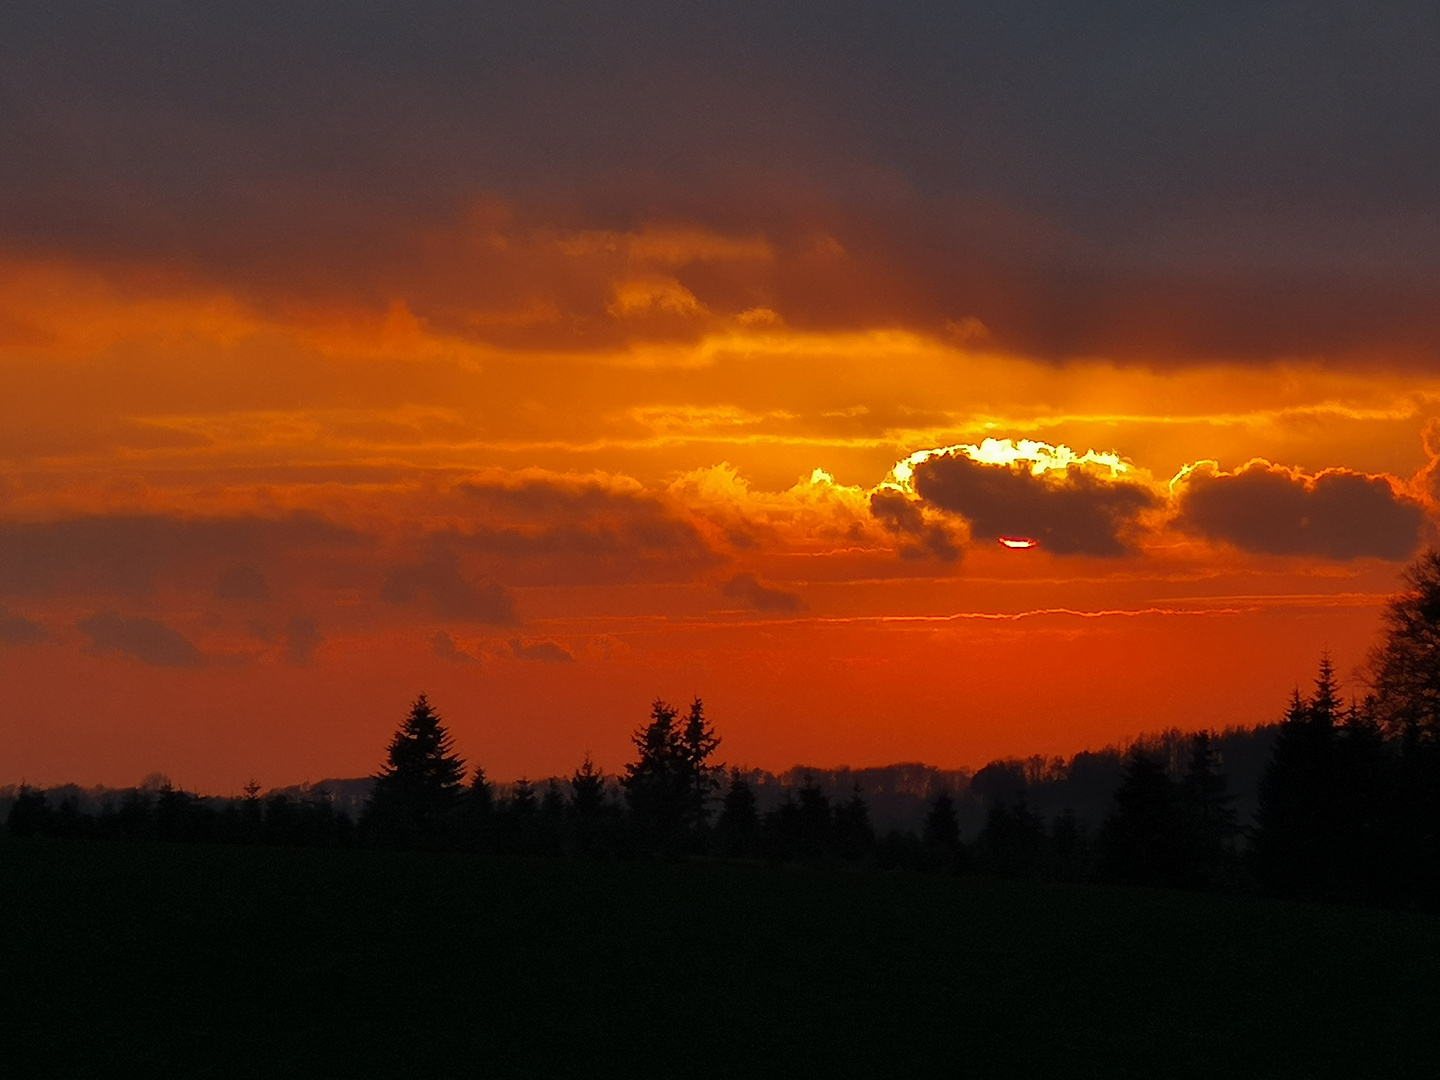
x=1018 y=542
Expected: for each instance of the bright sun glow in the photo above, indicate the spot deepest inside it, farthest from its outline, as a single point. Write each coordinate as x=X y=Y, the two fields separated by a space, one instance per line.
x=1018 y=542
x=1043 y=457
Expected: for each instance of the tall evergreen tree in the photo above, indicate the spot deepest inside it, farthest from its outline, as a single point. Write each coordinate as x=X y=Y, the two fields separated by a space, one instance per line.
x=696 y=744
x=1143 y=841
x=1405 y=677
x=813 y=819
x=942 y=829
x=739 y=825
x=419 y=787
x=1297 y=821
x=854 y=835
x=669 y=785
x=1405 y=667
x=587 y=791
x=653 y=784
x=1209 y=811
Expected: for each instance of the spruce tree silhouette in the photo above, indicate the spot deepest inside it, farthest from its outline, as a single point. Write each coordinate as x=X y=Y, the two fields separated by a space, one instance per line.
x=1370 y=850
x=419 y=788
x=588 y=806
x=1143 y=841
x=1405 y=667
x=697 y=743
x=942 y=830
x=668 y=786
x=739 y=825
x=1209 y=811
x=814 y=819
x=1297 y=821
x=479 y=812
x=30 y=813
x=587 y=791
x=1404 y=673
x=1012 y=843
x=854 y=835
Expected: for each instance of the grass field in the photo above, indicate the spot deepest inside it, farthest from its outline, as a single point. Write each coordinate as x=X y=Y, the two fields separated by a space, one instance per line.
x=209 y=961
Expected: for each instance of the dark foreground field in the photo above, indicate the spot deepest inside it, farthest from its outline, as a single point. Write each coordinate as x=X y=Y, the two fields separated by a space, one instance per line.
x=210 y=961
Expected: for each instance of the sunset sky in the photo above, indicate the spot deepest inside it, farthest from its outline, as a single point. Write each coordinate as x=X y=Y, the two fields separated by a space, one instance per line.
x=548 y=358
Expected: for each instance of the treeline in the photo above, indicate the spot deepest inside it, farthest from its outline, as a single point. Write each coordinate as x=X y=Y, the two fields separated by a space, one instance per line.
x=1346 y=807
x=167 y=813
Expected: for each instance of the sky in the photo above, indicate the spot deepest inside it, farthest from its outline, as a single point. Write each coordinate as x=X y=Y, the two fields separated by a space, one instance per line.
x=549 y=358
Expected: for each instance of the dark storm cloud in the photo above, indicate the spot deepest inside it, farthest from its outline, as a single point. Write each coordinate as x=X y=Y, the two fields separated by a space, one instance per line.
x=147 y=640
x=546 y=652
x=585 y=533
x=302 y=638
x=1128 y=178
x=1070 y=514
x=451 y=595
x=748 y=590
x=242 y=583
x=18 y=630
x=132 y=554
x=443 y=647
x=1271 y=510
x=902 y=516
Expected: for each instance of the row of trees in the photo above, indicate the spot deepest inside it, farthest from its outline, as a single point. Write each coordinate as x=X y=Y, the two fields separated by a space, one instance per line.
x=1349 y=804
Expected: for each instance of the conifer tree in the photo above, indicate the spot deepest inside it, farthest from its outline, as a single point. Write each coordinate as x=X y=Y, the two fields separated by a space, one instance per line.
x=1209 y=811
x=420 y=784
x=1297 y=820
x=854 y=835
x=814 y=819
x=1143 y=841
x=696 y=744
x=1405 y=668
x=654 y=785
x=739 y=823
x=942 y=830
x=587 y=791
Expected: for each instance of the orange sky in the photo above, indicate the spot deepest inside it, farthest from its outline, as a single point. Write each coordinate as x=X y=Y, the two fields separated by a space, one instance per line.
x=286 y=441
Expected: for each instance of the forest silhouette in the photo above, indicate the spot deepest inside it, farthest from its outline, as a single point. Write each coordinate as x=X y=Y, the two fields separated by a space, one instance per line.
x=1346 y=806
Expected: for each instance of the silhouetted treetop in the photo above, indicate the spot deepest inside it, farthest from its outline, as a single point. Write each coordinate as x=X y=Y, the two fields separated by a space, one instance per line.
x=1405 y=667
x=422 y=779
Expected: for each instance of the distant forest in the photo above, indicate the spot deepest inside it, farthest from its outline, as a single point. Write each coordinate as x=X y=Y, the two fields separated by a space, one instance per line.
x=1338 y=800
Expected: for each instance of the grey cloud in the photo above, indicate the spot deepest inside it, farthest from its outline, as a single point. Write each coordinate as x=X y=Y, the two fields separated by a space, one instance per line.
x=1138 y=149
x=749 y=591
x=443 y=646
x=1073 y=514
x=131 y=554
x=1266 y=509
x=546 y=652
x=583 y=533
x=244 y=582
x=302 y=638
x=900 y=515
x=147 y=640
x=450 y=593
x=18 y=630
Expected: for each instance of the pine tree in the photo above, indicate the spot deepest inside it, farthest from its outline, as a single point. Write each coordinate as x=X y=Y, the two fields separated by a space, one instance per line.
x=854 y=835
x=419 y=788
x=942 y=830
x=1405 y=668
x=739 y=823
x=657 y=784
x=1405 y=677
x=814 y=819
x=1209 y=812
x=587 y=788
x=1143 y=840
x=697 y=742
x=1297 y=822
